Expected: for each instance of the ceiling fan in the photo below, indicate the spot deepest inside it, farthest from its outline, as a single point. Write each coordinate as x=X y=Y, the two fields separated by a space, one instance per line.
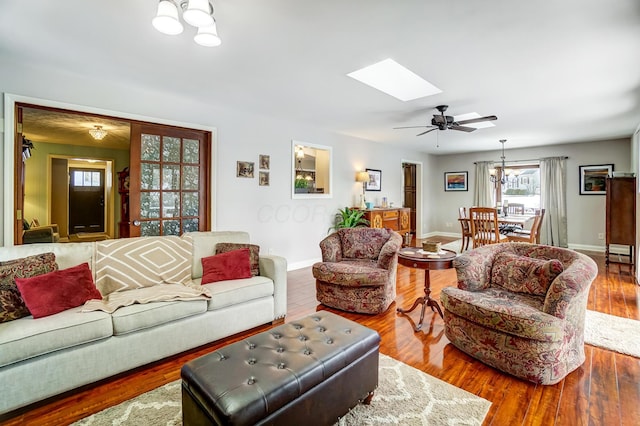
x=444 y=122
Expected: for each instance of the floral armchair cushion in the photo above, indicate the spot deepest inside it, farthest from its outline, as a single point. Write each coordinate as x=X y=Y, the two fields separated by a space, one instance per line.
x=523 y=274
x=363 y=243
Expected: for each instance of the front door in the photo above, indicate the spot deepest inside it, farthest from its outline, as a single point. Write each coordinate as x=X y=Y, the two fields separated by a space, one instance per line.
x=86 y=200
x=169 y=180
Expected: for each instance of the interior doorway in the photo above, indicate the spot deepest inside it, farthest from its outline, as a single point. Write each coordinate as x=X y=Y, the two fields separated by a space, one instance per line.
x=412 y=194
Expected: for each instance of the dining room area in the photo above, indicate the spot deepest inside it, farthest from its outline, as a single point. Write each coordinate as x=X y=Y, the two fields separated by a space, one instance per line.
x=507 y=222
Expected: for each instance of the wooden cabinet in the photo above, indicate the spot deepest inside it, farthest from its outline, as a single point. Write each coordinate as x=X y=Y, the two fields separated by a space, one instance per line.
x=621 y=215
x=398 y=220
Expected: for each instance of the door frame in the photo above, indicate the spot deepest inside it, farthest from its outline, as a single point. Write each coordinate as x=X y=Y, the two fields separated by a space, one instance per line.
x=419 y=198
x=7 y=209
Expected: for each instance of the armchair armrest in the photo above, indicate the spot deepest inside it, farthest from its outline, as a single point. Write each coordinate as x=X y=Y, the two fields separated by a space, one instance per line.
x=570 y=289
x=40 y=234
x=389 y=252
x=275 y=267
x=331 y=248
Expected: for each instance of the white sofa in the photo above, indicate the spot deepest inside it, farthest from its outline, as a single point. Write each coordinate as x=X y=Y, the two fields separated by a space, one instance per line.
x=40 y=358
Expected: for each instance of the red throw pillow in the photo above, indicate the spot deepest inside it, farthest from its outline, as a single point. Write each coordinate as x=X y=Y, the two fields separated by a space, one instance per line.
x=226 y=266
x=58 y=291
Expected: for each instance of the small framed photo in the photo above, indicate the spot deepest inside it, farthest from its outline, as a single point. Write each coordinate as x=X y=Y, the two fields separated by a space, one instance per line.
x=456 y=181
x=244 y=169
x=263 y=178
x=593 y=178
x=265 y=161
x=375 y=180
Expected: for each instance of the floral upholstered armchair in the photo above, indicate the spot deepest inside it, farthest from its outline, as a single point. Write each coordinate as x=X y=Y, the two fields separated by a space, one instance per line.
x=358 y=269
x=520 y=308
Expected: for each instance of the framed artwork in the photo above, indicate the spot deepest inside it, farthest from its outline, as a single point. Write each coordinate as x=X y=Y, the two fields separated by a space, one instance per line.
x=244 y=169
x=263 y=178
x=375 y=180
x=592 y=179
x=456 y=181
x=265 y=161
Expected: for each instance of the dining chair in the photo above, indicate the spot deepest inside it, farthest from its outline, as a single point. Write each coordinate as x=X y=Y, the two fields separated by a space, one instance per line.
x=529 y=235
x=514 y=208
x=466 y=230
x=484 y=226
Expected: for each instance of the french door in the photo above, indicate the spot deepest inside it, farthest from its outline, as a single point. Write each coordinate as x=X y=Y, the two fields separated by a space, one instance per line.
x=169 y=183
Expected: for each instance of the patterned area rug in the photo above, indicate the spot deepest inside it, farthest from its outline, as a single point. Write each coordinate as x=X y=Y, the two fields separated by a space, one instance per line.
x=613 y=333
x=404 y=396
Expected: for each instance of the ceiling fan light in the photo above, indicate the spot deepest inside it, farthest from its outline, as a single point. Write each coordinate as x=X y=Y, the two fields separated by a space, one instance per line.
x=166 y=20
x=208 y=36
x=198 y=13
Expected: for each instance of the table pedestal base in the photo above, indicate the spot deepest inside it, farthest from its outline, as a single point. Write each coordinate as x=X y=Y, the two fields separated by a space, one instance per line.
x=425 y=301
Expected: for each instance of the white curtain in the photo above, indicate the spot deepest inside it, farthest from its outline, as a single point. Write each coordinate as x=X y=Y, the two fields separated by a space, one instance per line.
x=484 y=191
x=553 y=198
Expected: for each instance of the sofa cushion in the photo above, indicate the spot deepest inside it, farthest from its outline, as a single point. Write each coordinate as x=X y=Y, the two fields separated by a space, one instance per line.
x=58 y=291
x=254 y=254
x=12 y=304
x=351 y=273
x=131 y=263
x=362 y=243
x=229 y=265
x=518 y=314
x=234 y=292
x=138 y=317
x=204 y=244
x=524 y=274
x=27 y=337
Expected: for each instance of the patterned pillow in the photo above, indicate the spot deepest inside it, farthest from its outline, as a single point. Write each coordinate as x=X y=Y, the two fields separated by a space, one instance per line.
x=363 y=243
x=12 y=305
x=522 y=274
x=254 y=254
x=131 y=263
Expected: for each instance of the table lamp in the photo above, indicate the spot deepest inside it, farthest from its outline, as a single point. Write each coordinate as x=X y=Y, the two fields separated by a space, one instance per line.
x=362 y=177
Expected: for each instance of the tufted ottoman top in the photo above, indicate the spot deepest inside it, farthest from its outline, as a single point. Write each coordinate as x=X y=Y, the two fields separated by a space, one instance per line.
x=248 y=380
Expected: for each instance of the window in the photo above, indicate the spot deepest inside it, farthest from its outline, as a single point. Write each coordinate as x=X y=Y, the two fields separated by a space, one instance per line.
x=85 y=178
x=522 y=186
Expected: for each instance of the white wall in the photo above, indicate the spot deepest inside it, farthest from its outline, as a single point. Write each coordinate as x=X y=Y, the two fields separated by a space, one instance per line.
x=586 y=213
x=291 y=228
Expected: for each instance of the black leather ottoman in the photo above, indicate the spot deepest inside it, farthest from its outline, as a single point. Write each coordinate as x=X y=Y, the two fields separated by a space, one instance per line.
x=310 y=372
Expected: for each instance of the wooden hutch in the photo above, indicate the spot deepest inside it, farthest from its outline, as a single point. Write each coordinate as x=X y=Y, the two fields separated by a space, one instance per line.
x=621 y=216
x=397 y=219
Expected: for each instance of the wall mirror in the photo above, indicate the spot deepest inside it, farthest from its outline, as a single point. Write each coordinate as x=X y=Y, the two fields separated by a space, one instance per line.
x=311 y=170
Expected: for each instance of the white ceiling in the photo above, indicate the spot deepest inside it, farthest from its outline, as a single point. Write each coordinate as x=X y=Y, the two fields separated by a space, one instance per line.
x=553 y=72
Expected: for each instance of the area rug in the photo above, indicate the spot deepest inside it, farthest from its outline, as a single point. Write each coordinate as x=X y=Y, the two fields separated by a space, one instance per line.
x=405 y=396
x=613 y=333
x=455 y=245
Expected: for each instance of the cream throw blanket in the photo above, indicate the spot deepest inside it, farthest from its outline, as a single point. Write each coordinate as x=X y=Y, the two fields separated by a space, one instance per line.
x=157 y=293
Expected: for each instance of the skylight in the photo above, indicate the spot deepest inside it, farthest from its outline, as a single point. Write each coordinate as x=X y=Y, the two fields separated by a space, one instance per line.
x=469 y=116
x=390 y=77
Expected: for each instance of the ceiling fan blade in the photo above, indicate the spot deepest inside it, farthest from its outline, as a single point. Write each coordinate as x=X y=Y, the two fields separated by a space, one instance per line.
x=410 y=127
x=463 y=129
x=478 y=120
x=430 y=130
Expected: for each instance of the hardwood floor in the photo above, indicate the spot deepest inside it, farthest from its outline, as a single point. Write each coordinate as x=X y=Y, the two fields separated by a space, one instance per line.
x=605 y=390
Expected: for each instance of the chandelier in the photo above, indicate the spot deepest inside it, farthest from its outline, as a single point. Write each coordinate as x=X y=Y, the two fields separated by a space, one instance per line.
x=197 y=13
x=98 y=133
x=505 y=173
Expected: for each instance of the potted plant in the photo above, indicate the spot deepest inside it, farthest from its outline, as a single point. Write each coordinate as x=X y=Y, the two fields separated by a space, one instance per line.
x=349 y=218
x=301 y=186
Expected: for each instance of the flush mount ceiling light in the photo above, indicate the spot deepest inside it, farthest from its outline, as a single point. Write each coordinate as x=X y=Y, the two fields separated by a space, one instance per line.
x=198 y=13
x=390 y=77
x=98 y=133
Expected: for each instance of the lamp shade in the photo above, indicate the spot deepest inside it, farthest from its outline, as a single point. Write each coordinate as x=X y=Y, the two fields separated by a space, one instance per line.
x=198 y=13
x=208 y=36
x=362 y=177
x=166 y=20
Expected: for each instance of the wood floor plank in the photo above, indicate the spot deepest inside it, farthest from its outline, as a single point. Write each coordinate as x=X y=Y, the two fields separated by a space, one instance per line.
x=603 y=391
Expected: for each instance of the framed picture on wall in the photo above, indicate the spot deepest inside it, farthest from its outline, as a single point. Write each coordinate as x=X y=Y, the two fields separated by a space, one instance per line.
x=375 y=180
x=244 y=169
x=456 y=181
x=592 y=179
